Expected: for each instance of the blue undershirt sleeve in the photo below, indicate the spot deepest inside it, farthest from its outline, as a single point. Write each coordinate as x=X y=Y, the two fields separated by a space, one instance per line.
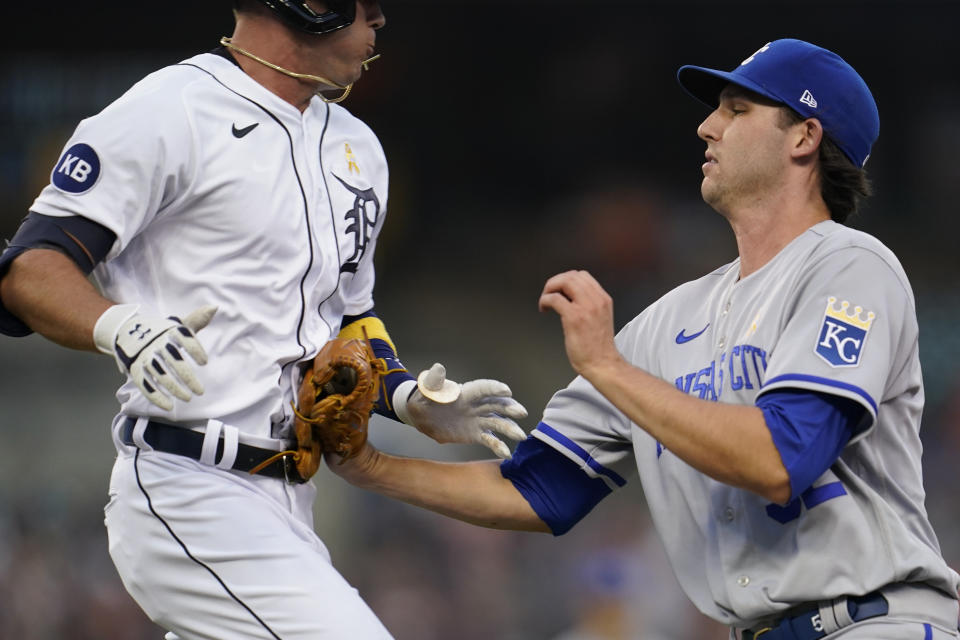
x=809 y=430
x=555 y=486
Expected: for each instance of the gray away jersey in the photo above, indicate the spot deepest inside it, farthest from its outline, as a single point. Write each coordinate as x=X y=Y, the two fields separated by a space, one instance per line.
x=832 y=312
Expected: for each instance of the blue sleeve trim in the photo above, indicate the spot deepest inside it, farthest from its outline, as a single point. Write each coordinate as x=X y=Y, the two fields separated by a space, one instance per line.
x=557 y=489
x=801 y=377
x=810 y=498
x=581 y=453
x=818 y=495
x=809 y=430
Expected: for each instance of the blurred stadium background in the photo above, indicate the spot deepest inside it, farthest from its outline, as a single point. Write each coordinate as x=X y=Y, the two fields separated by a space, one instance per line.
x=524 y=138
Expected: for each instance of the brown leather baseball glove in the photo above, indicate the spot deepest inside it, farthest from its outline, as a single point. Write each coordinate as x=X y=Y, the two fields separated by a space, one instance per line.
x=335 y=400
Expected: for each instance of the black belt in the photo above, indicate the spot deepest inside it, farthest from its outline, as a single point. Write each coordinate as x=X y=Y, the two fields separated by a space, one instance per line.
x=805 y=623
x=185 y=442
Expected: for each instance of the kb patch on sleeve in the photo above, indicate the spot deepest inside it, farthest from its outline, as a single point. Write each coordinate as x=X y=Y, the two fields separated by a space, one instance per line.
x=842 y=335
x=78 y=169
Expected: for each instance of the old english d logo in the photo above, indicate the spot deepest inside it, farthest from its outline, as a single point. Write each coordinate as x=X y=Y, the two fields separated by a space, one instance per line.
x=361 y=219
x=842 y=335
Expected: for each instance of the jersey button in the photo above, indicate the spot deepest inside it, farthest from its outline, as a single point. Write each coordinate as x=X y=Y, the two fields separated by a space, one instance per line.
x=728 y=514
x=743 y=581
x=722 y=342
x=726 y=308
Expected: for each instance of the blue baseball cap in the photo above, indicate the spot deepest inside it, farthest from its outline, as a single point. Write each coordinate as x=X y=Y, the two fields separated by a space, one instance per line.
x=812 y=81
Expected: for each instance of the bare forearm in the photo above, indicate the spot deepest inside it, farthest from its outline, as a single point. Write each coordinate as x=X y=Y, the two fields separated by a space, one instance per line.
x=47 y=291
x=474 y=492
x=729 y=443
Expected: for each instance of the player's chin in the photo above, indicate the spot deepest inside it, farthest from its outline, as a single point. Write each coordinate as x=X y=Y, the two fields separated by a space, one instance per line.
x=345 y=74
x=709 y=192
x=349 y=76
x=356 y=67
x=706 y=188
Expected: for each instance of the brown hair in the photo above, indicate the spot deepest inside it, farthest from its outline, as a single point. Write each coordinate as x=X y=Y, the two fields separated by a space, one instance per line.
x=842 y=184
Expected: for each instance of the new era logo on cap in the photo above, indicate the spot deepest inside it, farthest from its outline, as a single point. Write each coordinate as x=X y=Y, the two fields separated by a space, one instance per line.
x=814 y=82
x=808 y=99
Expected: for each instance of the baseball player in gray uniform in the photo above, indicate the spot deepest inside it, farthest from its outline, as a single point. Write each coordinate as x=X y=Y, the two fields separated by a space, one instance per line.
x=770 y=408
x=229 y=194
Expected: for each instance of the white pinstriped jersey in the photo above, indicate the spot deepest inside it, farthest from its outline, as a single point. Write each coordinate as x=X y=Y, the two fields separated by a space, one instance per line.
x=219 y=192
x=832 y=312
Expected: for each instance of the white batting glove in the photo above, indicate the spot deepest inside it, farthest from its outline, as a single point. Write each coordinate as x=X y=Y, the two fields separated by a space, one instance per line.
x=149 y=350
x=475 y=412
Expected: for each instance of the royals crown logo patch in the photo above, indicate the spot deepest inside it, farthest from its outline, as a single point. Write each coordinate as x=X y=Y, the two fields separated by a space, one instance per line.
x=842 y=334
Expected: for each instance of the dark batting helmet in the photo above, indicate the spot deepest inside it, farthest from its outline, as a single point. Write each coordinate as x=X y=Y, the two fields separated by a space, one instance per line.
x=339 y=14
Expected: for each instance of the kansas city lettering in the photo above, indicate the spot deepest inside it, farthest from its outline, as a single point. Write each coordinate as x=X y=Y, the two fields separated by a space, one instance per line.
x=743 y=367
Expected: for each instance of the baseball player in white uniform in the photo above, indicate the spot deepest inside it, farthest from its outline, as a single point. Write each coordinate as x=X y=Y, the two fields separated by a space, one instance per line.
x=227 y=194
x=770 y=408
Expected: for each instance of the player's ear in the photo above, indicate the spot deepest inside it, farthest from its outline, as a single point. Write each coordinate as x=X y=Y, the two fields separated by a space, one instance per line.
x=805 y=140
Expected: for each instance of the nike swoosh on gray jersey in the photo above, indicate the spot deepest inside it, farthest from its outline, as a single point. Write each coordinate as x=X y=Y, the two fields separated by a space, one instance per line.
x=681 y=338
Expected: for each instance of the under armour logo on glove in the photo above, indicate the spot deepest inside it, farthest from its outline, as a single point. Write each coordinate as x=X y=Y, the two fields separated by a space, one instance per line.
x=149 y=349
x=137 y=330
